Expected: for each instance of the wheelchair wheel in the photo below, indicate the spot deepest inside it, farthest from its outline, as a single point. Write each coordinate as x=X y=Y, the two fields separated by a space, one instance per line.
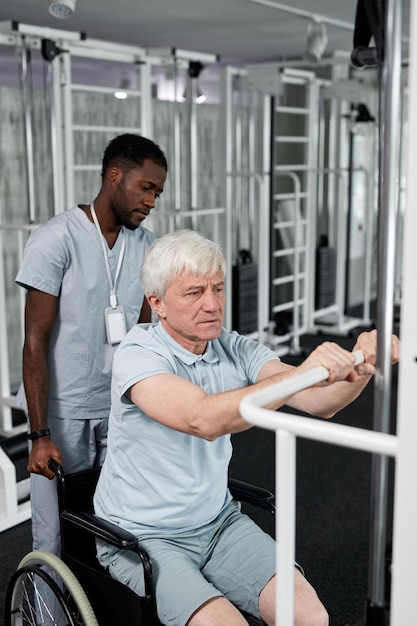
x=44 y=592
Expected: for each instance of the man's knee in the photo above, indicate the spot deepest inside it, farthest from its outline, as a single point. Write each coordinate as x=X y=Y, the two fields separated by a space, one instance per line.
x=308 y=609
x=312 y=615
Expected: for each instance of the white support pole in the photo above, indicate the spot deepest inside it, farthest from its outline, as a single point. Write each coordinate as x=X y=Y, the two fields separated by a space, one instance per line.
x=27 y=116
x=285 y=526
x=287 y=427
x=405 y=536
x=66 y=81
x=146 y=125
x=226 y=151
x=264 y=246
x=57 y=142
x=388 y=198
x=6 y=425
x=13 y=511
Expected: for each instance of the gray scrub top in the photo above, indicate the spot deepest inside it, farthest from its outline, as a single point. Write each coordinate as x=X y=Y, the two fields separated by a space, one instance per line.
x=64 y=258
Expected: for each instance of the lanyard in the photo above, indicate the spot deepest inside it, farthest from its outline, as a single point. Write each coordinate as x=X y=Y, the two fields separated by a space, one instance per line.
x=112 y=285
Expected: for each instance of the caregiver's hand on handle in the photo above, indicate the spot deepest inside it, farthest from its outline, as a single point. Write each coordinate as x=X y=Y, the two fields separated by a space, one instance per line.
x=43 y=449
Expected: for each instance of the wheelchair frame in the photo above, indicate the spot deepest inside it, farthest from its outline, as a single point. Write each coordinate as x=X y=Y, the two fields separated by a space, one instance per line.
x=75 y=590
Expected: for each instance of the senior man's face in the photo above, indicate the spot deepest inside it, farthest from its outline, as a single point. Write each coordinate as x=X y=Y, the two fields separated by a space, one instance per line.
x=192 y=309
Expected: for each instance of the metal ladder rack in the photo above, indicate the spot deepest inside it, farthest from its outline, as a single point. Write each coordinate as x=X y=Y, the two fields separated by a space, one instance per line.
x=132 y=61
x=293 y=193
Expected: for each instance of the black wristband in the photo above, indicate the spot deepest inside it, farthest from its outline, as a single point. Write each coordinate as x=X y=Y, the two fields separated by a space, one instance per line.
x=37 y=434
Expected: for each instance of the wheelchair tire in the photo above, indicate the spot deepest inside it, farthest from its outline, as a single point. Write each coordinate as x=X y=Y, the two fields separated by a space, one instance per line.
x=43 y=591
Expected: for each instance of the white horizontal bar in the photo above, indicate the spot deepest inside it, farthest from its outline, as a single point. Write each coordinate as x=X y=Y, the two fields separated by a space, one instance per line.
x=290 y=196
x=322 y=312
x=290 y=139
x=8 y=400
x=313 y=15
x=11 y=431
x=9 y=40
x=103 y=55
x=113 y=46
x=291 y=168
x=40 y=31
x=104 y=129
x=292 y=110
x=87 y=168
x=193 y=213
x=183 y=55
x=288 y=305
x=109 y=90
x=287 y=252
x=289 y=224
x=339 y=434
x=288 y=279
x=19 y=227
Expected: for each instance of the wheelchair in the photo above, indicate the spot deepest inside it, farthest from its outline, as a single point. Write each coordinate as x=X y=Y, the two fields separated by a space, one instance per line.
x=75 y=590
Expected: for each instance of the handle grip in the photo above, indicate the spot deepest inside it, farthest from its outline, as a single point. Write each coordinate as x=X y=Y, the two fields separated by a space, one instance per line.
x=295 y=384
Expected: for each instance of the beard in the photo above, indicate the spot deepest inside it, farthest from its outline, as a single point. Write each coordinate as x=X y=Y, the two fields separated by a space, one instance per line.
x=118 y=206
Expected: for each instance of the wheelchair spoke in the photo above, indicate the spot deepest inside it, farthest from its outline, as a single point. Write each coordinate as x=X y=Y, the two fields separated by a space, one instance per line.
x=44 y=592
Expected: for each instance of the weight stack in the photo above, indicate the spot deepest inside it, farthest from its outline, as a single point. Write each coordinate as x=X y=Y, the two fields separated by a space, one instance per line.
x=325 y=287
x=245 y=294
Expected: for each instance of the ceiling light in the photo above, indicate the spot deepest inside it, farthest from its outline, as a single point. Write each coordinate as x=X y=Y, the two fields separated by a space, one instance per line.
x=200 y=97
x=121 y=93
x=316 y=42
x=62 y=9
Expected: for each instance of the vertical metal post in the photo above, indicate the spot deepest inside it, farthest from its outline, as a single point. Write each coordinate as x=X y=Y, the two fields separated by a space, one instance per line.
x=264 y=253
x=66 y=83
x=369 y=227
x=192 y=144
x=238 y=199
x=144 y=74
x=6 y=422
x=405 y=536
x=285 y=526
x=177 y=144
x=313 y=91
x=390 y=133
x=251 y=149
x=53 y=126
x=27 y=112
x=226 y=155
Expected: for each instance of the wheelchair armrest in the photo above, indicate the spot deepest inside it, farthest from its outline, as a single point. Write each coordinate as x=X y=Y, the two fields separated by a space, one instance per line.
x=251 y=494
x=101 y=529
x=113 y=534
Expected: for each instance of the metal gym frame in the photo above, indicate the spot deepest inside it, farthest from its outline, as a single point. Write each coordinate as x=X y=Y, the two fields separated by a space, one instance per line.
x=291 y=192
x=379 y=442
x=254 y=177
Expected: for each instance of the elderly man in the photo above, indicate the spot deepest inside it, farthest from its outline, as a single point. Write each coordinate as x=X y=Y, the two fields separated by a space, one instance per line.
x=176 y=389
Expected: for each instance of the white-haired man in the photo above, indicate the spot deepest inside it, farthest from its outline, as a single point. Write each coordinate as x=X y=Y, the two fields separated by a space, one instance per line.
x=176 y=389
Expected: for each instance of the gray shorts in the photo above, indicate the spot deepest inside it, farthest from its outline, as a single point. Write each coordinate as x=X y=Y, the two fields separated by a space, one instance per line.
x=229 y=557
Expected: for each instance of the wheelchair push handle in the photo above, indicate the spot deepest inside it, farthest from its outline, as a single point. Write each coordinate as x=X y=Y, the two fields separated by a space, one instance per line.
x=55 y=467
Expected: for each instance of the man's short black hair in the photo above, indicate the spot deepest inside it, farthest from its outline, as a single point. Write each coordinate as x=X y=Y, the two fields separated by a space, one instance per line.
x=129 y=151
